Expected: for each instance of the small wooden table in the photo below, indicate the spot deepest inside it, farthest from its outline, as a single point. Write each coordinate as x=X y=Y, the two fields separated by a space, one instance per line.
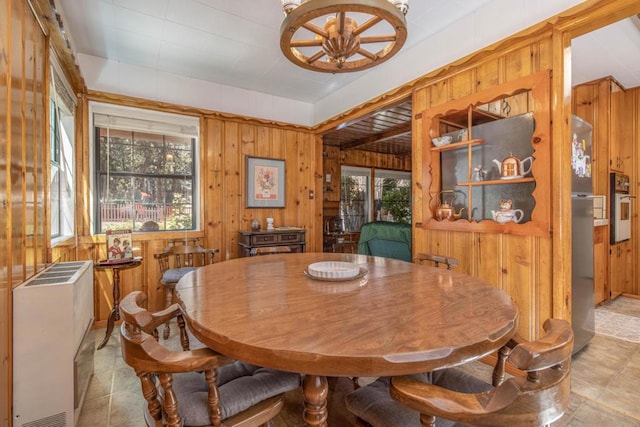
x=291 y=237
x=400 y=318
x=115 y=267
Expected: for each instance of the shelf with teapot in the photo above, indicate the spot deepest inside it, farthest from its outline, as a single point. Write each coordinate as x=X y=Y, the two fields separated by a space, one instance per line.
x=503 y=155
x=511 y=170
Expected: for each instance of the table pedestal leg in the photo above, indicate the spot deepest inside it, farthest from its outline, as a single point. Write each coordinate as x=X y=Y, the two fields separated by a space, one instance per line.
x=315 y=389
x=115 y=311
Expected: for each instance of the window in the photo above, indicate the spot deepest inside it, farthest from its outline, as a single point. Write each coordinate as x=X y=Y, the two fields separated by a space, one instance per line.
x=388 y=191
x=355 y=199
x=61 y=131
x=392 y=196
x=145 y=170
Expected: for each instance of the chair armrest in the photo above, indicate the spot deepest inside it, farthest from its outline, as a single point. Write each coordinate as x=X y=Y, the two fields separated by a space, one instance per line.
x=132 y=312
x=157 y=358
x=552 y=349
x=438 y=401
x=160 y=317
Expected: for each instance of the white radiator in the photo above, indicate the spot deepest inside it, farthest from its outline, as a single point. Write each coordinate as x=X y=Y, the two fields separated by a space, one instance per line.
x=53 y=345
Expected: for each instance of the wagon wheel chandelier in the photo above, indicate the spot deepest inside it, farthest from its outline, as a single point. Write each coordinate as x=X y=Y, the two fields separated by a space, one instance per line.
x=342 y=45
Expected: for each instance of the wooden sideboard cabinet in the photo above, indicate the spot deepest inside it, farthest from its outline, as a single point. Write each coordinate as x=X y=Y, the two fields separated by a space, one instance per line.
x=249 y=241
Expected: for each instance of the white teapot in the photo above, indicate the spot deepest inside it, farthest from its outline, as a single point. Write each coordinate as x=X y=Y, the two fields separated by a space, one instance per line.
x=506 y=213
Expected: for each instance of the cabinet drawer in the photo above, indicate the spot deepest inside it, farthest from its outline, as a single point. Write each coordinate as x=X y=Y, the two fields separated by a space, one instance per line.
x=291 y=237
x=263 y=238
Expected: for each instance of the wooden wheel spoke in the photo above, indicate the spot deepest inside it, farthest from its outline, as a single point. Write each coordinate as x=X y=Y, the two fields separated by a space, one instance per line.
x=365 y=26
x=341 y=35
x=367 y=54
x=315 y=57
x=305 y=43
x=315 y=29
x=383 y=38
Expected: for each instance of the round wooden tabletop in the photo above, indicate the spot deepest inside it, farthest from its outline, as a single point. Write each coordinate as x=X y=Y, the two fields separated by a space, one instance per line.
x=399 y=318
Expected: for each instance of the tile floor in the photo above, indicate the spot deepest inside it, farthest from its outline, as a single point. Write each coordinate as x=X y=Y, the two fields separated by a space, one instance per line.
x=605 y=386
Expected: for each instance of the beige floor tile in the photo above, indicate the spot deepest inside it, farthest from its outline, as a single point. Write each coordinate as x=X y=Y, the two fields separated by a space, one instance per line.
x=127 y=408
x=100 y=384
x=95 y=412
x=624 y=391
x=596 y=365
x=591 y=414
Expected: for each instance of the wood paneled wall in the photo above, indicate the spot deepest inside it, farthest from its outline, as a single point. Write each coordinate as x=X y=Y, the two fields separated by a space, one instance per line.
x=24 y=160
x=634 y=98
x=333 y=159
x=520 y=265
x=225 y=143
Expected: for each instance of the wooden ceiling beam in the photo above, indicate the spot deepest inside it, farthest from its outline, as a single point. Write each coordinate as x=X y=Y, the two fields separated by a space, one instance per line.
x=401 y=130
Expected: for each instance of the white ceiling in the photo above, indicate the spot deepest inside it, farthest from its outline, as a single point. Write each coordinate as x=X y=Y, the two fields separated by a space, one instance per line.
x=613 y=50
x=235 y=43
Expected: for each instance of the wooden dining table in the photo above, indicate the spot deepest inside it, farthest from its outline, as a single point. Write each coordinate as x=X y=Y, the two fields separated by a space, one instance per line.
x=397 y=318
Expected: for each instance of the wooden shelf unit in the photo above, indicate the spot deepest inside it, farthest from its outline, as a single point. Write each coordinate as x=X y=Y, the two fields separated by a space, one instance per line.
x=467 y=112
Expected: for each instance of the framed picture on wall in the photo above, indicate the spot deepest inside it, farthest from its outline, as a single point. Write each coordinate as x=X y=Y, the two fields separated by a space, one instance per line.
x=265 y=183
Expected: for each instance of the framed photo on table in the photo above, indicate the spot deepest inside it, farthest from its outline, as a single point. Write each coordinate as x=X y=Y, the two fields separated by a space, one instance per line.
x=265 y=183
x=119 y=247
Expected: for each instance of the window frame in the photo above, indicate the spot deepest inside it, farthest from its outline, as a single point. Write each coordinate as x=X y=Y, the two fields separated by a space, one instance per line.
x=370 y=202
x=162 y=125
x=62 y=103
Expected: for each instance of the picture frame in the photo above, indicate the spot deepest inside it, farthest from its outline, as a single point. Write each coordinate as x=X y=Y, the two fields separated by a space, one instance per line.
x=119 y=245
x=265 y=182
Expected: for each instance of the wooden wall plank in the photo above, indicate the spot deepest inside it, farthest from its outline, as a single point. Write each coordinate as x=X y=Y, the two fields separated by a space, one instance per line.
x=23 y=138
x=509 y=262
x=225 y=145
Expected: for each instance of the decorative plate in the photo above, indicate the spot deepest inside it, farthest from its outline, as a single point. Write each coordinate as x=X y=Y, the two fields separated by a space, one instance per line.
x=512 y=177
x=335 y=271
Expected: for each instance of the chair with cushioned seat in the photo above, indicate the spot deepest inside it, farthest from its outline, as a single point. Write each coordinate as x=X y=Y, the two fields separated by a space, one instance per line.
x=449 y=262
x=176 y=261
x=386 y=239
x=537 y=398
x=199 y=387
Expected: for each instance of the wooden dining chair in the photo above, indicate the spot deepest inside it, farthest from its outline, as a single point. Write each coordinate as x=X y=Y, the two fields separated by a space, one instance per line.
x=198 y=387
x=536 y=399
x=449 y=262
x=451 y=397
x=189 y=241
x=176 y=261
